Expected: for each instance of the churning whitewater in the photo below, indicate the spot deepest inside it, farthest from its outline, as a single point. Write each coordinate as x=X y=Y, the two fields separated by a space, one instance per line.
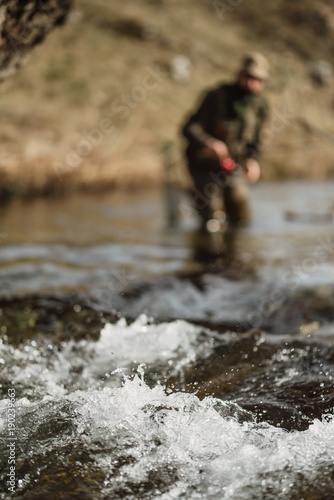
x=83 y=408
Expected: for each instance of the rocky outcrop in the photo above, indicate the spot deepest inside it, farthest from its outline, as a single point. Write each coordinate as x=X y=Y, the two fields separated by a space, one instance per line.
x=24 y=24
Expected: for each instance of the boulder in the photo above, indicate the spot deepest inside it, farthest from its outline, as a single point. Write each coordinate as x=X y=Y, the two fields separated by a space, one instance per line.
x=24 y=24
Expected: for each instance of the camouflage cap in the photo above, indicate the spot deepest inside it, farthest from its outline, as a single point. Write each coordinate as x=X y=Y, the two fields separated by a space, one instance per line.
x=256 y=65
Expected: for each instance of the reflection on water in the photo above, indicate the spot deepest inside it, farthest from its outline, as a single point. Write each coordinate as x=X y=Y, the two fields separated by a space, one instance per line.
x=177 y=365
x=85 y=240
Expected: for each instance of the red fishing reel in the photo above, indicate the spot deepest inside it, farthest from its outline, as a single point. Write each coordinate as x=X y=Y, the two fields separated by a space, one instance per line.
x=228 y=164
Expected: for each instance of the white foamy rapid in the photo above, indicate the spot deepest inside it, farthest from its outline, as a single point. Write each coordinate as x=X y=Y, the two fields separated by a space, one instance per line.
x=137 y=441
x=176 y=446
x=42 y=369
x=214 y=448
x=172 y=345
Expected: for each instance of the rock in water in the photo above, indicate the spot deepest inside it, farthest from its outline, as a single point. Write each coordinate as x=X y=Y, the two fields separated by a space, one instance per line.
x=25 y=24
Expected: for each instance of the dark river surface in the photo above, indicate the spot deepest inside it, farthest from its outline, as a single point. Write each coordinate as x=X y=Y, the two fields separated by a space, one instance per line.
x=139 y=361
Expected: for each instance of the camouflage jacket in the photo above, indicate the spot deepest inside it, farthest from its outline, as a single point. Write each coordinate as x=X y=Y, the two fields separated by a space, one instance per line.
x=230 y=114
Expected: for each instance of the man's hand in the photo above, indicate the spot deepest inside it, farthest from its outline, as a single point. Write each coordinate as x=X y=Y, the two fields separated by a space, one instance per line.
x=252 y=170
x=219 y=147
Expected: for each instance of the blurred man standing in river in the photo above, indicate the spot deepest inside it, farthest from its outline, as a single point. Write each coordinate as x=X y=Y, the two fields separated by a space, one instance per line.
x=224 y=139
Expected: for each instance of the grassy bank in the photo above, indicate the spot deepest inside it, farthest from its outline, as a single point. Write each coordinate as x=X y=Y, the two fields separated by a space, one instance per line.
x=96 y=104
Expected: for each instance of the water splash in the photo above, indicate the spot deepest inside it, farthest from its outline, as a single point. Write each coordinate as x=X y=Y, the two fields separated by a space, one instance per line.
x=87 y=423
x=139 y=442
x=44 y=368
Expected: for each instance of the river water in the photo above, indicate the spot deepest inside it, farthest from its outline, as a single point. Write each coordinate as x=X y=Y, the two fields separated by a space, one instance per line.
x=140 y=361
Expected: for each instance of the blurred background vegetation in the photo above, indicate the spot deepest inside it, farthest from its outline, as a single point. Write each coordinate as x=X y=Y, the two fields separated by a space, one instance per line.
x=75 y=80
